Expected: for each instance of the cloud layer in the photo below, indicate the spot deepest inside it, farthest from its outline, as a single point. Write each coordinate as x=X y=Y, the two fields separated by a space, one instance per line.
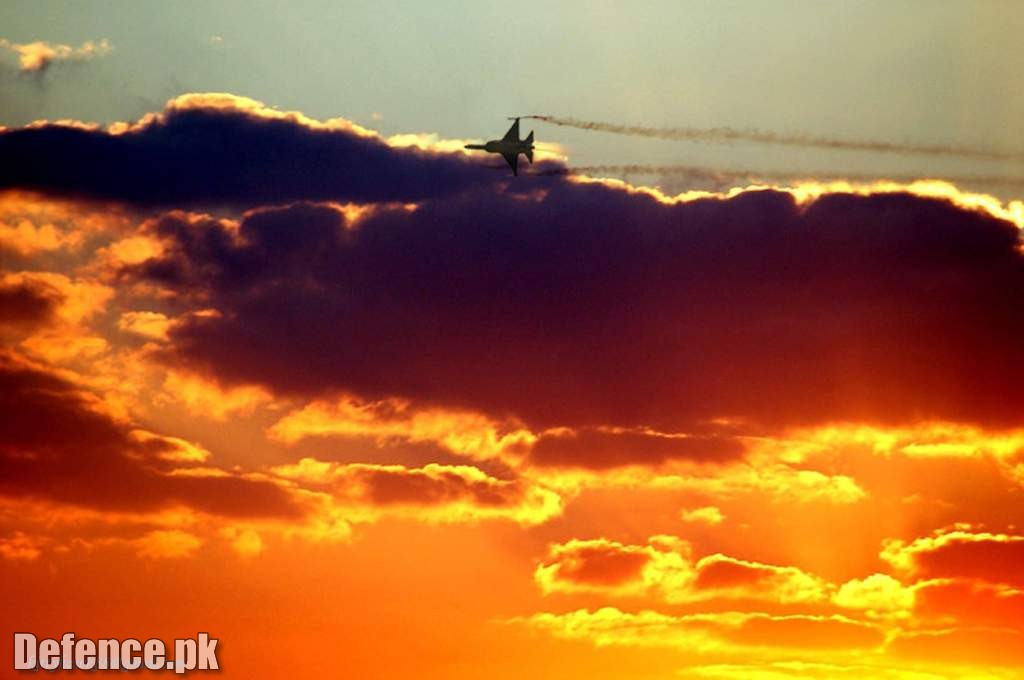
x=219 y=149
x=60 y=443
x=584 y=305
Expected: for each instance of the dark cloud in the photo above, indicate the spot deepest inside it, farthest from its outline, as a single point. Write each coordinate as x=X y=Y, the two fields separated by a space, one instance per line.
x=58 y=443
x=721 y=572
x=595 y=563
x=203 y=152
x=990 y=557
x=435 y=485
x=27 y=303
x=600 y=449
x=585 y=305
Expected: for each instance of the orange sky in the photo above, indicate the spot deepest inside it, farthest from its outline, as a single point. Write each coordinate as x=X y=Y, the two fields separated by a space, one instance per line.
x=768 y=434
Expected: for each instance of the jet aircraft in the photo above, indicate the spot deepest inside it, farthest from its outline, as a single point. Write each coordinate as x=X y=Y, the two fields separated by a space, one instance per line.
x=509 y=146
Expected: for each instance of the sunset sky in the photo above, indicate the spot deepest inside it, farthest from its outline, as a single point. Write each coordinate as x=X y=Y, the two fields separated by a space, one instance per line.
x=282 y=362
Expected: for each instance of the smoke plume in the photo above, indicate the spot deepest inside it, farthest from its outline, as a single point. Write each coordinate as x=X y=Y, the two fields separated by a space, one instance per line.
x=724 y=177
x=727 y=134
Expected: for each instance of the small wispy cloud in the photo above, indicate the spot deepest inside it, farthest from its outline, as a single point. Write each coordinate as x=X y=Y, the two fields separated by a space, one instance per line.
x=36 y=57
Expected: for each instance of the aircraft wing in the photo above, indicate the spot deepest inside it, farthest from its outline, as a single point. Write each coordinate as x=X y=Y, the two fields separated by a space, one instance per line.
x=513 y=161
x=513 y=133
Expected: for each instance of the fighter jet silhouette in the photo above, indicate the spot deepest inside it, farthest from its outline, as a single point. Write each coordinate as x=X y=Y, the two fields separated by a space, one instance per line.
x=509 y=146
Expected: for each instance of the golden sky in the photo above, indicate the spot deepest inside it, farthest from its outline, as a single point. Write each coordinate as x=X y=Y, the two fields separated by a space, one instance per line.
x=359 y=408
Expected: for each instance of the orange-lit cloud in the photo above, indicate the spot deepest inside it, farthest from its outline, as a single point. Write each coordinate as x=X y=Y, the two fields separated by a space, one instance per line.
x=20 y=546
x=878 y=595
x=153 y=325
x=924 y=440
x=666 y=570
x=728 y=576
x=57 y=309
x=32 y=224
x=599 y=565
x=465 y=433
x=708 y=515
x=38 y=56
x=76 y=300
x=167 y=544
x=789 y=670
x=733 y=632
x=777 y=481
x=433 y=493
x=245 y=542
x=960 y=552
x=205 y=398
x=129 y=250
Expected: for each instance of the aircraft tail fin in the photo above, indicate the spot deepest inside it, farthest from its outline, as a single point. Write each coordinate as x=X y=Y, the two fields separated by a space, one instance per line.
x=529 y=155
x=529 y=138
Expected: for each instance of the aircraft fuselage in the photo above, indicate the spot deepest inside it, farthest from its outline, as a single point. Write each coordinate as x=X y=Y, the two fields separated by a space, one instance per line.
x=501 y=146
x=509 y=146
